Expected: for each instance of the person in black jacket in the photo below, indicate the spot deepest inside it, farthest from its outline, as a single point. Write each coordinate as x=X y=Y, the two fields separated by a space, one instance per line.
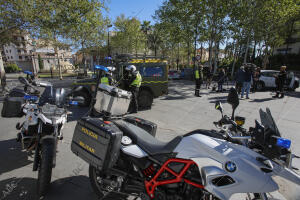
x=280 y=80
x=247 y=83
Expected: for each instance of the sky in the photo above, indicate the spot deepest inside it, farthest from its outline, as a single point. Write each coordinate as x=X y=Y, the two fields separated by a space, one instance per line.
x=141 y=9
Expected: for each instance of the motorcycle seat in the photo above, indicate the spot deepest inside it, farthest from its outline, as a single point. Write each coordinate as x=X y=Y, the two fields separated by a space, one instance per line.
x=145 y=140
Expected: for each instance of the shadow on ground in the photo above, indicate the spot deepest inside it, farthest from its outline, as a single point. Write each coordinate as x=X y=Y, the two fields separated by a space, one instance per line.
x=74 y=187
x=12 y=156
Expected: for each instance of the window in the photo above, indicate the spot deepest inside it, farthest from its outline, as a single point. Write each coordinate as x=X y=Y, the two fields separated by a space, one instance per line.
x=151 y=71
x=48 y=61
x=19 y=51
x=10 y=51
x=6 y=51
x=20 y=57
x=11 y=57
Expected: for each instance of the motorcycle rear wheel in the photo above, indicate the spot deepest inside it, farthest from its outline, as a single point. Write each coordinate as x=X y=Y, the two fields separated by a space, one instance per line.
x=45 y=167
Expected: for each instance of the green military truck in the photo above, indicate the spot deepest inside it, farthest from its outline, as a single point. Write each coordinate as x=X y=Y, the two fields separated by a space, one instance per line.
x=154 y=74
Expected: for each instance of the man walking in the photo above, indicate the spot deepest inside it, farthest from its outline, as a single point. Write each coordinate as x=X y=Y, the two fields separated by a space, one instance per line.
x=239 y=79
x=247 y=83
x=280 y=80
x=198 y=79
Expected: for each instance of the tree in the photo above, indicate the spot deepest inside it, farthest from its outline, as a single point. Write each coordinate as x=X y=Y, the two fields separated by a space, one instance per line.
x=128 y=38
x=41 y=64
x=51 y=20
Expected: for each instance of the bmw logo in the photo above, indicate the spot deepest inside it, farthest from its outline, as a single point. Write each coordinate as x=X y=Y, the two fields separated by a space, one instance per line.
x=230 y=166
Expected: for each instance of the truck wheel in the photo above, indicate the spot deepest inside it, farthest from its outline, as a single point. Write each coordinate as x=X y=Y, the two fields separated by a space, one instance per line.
x=145 y=99
x=45 y=168
x=260 y=86
x=85 y=96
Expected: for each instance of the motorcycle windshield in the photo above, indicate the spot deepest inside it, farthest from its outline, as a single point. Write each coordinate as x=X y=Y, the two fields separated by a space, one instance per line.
x=268 y=121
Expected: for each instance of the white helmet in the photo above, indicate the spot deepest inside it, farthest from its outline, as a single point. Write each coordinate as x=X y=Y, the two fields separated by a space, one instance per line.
x=131 y=68
x=111 y=69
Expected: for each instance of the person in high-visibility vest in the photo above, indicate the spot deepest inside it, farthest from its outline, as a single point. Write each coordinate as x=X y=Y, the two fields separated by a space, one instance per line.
x=198 y=79
x=107 y=78
x=134 y=86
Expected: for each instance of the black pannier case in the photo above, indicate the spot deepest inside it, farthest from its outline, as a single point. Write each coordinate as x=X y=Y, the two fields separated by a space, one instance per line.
x=148 y=126
x=97 y=142
x=12 y=107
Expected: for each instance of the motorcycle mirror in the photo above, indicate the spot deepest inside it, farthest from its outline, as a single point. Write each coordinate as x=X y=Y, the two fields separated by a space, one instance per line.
x=233 y=100
x=23 y=80
x=218 y=106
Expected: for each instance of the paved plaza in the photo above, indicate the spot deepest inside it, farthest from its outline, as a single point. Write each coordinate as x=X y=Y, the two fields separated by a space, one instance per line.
x=175 y=114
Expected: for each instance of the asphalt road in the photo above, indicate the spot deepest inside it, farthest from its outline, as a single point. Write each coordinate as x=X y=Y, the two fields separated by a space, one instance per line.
x=175 y=114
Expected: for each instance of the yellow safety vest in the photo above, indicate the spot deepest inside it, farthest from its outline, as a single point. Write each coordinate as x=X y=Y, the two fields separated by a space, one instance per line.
x=137 y=81
x=197 y=74
x=104 y=80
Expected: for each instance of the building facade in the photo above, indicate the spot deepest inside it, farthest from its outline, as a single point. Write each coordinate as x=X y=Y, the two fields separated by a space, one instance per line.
x=25 y=52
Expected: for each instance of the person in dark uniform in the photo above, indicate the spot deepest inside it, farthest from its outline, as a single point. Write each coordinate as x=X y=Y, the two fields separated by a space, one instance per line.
x=280 y=80
x=135 y=81
x=198 y=79
x=221 y=79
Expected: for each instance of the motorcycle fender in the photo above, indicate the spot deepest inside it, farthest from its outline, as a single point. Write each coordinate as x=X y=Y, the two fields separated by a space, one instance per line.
x=44 y=119
x=50 y=140
x=287 y=174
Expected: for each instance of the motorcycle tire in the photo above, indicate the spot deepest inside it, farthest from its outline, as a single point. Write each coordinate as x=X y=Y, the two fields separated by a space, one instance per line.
x=93 y=176
x=45 y=166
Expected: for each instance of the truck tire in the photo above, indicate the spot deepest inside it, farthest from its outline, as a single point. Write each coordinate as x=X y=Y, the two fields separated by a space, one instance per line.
x=45 y=167
x=86 y=97
x=145 y=99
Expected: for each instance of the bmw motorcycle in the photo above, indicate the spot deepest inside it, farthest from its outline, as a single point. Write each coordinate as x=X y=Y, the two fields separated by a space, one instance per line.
x=41 y=130
x=202 y=164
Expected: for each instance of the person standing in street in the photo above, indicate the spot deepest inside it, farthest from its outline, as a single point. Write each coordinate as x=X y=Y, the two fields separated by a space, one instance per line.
x=135 y=81
x=198 y=79
x=221 y=79
x=247 y=83
x=280 y=80
x=209 y=77
x=239 y=79
x=256 y=75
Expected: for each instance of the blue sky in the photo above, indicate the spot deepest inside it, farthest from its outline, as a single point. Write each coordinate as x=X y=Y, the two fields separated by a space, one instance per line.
x=141 y=9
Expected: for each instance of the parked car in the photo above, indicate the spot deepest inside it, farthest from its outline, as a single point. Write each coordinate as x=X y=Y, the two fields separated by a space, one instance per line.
x=174 y=74
x=267 y=80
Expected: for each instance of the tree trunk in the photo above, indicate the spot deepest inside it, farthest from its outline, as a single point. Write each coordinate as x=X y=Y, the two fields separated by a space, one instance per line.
x=210 y=53
x=201 y=51
x=247 y=49
x=216 y=56
x=188 y=53
x=234 y=60
x=254 y=51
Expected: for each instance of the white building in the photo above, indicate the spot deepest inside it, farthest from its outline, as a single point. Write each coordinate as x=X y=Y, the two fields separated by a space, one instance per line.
x=24 y=52
x=19 y=52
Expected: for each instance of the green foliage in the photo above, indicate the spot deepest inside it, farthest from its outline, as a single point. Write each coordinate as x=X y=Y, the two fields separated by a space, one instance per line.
x=129 y=37
x=41 y=63
x=12 y=68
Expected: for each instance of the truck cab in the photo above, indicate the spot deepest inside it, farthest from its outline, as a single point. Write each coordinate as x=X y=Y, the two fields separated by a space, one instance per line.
x=154 y=74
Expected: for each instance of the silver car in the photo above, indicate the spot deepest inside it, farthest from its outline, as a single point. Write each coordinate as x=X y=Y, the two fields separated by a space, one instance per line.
x=267 y=80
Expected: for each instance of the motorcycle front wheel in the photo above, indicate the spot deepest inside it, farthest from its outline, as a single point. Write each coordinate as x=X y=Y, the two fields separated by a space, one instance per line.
x=45 y=166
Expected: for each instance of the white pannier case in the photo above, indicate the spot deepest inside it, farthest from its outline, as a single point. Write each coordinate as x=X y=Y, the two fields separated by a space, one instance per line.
x=112 y=100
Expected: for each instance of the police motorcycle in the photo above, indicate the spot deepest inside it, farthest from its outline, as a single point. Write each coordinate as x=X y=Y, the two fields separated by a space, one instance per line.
x=126 y=160
x=45 y=117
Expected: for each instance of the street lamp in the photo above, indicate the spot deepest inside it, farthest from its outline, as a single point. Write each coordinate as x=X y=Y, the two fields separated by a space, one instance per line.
x=108 y=47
